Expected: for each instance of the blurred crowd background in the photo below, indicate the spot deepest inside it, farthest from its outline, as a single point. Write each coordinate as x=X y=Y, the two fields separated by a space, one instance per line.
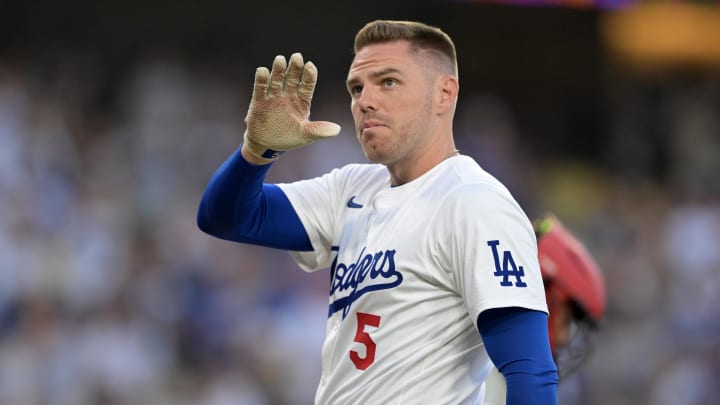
x=114 y=115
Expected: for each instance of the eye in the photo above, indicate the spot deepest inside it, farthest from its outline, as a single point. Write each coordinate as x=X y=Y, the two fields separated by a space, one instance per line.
x=356 y=90
x=389 y=82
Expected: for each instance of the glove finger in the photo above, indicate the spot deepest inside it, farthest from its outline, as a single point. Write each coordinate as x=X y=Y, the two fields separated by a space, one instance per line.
x=320 y=129
x=262 y=76
x=307 y=85
x=277 y=76
x=294 y=73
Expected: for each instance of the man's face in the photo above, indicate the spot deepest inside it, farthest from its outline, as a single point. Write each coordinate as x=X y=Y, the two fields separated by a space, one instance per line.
x=392 y=95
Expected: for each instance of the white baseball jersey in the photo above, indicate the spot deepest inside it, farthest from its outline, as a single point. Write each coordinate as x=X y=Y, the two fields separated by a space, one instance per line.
x=412 y=267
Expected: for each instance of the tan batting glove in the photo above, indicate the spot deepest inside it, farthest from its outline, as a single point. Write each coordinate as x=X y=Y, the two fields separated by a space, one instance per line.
x=277 y=120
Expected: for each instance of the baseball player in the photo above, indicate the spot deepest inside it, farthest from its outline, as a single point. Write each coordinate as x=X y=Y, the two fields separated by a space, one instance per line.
x=575 y=293
x=433 y=265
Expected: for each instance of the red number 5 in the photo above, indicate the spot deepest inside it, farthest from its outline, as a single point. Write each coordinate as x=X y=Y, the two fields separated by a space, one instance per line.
x=363 y=337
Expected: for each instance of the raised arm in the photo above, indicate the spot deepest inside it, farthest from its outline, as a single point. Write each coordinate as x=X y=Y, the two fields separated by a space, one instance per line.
x=236 y=204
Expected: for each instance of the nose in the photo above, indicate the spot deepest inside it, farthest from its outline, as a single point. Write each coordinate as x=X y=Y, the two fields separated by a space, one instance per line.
x=366 y=101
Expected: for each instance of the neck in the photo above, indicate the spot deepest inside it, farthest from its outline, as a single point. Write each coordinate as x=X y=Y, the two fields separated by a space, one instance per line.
x=414 y=166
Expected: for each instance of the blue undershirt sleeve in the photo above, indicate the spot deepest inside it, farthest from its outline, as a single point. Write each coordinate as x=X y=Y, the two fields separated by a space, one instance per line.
x=238 y=206
x=517 y=342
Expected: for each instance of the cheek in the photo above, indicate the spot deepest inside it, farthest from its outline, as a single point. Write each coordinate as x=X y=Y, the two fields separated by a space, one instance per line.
x=355 y=111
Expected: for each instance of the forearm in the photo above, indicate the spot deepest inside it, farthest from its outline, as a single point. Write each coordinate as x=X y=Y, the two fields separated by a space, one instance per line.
x=238 y=206
x=531 y=388
x=232 y=197
x=517 y=341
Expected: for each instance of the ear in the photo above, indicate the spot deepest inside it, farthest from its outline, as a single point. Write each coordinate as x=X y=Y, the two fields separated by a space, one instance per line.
x=447 y=93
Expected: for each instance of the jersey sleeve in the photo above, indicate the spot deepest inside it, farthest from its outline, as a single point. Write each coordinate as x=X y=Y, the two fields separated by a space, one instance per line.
x=489 y=249
x=315 y=201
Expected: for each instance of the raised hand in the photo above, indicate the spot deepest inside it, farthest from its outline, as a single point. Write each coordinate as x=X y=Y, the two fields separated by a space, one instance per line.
x=277 y=120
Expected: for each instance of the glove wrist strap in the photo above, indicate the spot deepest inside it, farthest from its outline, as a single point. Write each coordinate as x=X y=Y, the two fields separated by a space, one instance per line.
x=261 y=151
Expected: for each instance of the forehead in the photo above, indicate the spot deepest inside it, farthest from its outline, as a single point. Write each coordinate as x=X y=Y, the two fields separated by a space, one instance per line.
x=395 y=54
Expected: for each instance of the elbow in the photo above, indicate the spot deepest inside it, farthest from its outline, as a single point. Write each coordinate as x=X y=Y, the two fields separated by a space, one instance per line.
x=204 y=220
x=219 y=221
x=538 y=376
x=532 y=387
x=202 y=223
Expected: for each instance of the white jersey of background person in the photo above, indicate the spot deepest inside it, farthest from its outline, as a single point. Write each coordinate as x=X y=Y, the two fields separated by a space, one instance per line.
x=412 y=268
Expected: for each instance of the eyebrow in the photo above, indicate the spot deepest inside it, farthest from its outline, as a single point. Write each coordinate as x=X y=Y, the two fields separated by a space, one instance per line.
x=353 y=80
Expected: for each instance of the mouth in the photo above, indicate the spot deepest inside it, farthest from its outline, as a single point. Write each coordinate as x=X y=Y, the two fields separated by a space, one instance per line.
x=370 y=124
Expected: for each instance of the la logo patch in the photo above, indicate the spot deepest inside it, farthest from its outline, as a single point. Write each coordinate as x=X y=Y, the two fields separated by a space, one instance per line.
x=508 y=268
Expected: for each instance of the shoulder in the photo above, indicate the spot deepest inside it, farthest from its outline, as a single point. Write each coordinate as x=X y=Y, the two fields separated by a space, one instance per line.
x=471 y=201
x=469 y=186
x=359 y=175
x=361 y=170
x=348 y=174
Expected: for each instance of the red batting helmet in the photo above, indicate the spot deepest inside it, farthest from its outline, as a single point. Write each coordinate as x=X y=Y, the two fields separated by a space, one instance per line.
x=565 y=263
x=572 y=279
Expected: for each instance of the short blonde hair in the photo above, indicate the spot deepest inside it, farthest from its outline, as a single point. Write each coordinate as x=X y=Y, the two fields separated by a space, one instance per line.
x=420 y=36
